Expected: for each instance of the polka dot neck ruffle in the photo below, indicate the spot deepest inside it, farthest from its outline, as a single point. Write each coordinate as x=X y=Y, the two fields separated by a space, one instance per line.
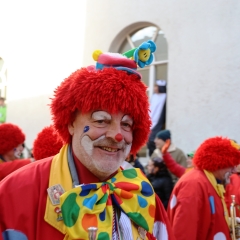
x=91 y=205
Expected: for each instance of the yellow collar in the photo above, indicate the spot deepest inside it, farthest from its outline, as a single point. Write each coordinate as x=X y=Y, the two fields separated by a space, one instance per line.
x=220 y=191
x=59 y=174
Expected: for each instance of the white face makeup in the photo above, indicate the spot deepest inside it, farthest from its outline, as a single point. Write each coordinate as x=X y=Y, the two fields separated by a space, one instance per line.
x=105 y=143
x=227 y=177
x=228 y=173
x=18 y=151
x=224 y=174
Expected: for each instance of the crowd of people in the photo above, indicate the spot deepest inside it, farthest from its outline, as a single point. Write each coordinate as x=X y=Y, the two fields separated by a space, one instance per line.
x=204 y=190
x=85 y=179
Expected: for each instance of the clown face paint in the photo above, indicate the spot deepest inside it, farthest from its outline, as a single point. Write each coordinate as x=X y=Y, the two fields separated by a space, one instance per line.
x=18 y=151
x=224 y=174
x=14 y=153
x=86 y=128
x=106 y=144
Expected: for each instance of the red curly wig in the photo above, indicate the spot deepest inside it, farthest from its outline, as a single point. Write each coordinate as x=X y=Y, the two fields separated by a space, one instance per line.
x=10 y=137
x=46 y=144
x=109 y=89
x=217 y=153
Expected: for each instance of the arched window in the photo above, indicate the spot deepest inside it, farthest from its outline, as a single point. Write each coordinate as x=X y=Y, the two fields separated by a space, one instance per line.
x=158 y=69
x=3 y=78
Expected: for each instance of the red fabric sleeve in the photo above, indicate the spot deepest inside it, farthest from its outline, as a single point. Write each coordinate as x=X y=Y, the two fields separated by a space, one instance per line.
x=173 y=166
x=8 y=167
x=161 y=216
x=23 y=202
x=233 y=189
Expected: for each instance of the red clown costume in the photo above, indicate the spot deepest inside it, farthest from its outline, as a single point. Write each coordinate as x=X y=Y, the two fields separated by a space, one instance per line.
x=11 y=136
x=197 y=209
x=124 y=205
x=233 y=188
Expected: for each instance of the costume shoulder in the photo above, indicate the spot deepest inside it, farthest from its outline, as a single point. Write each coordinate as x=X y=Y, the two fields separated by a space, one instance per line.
x=23 y=194
x=194 y=179
x=8 y=167
x=30 y=171
x=190 y=191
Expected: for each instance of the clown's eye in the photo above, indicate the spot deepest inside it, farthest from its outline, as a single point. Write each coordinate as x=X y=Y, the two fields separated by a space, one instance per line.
x=126 y=126
x=101 y=122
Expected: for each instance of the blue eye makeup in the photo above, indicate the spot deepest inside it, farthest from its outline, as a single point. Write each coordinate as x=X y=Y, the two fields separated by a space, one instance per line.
x=86 y=128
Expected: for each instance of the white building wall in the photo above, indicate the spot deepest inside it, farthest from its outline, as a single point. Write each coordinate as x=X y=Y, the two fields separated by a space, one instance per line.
x=204 y=56
x=42 y=43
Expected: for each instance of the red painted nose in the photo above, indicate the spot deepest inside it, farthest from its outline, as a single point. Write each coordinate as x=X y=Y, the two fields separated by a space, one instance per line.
x=119 y=137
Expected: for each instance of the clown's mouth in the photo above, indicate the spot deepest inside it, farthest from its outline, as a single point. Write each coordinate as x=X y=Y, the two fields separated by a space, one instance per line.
x=108 y=149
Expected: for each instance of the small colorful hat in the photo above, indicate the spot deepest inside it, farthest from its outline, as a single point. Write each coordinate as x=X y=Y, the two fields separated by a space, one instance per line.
x=191 y=154
x=128 y=61
x=114 y=85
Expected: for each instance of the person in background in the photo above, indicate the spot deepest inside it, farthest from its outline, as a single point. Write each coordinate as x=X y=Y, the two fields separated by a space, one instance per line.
x=172 y=165
x=197 y=209
x=3 y=110
x=190 y=157
x=233 y=188
x=160 y=179
x=157 y=113
x=47 y=143
x=11 y=147
x=176 y=153
x=84 y=185
x=134 y=161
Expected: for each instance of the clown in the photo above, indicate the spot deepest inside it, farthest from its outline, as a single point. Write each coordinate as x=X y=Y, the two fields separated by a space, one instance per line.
x=11 y=146
x=197 y=209
x=11 y=142
x=102 y=115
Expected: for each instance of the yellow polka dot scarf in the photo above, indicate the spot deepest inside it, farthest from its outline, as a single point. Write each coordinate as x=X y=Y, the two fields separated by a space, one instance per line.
x=91 y=205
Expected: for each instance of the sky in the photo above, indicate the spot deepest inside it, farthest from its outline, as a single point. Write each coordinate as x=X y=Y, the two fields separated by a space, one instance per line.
x=41 y=42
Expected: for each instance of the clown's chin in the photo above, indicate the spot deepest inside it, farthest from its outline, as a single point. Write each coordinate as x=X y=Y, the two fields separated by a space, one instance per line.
x=17 y=155
x=107 y=164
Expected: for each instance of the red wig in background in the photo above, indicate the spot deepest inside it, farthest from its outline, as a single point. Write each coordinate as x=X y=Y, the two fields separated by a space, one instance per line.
x=217 y=153
x=108 y=89
x=47 y=143
x=10 y=137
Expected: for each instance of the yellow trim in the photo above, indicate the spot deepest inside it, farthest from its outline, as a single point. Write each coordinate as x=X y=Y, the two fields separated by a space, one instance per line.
x=59 y=174
x=220 y=191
